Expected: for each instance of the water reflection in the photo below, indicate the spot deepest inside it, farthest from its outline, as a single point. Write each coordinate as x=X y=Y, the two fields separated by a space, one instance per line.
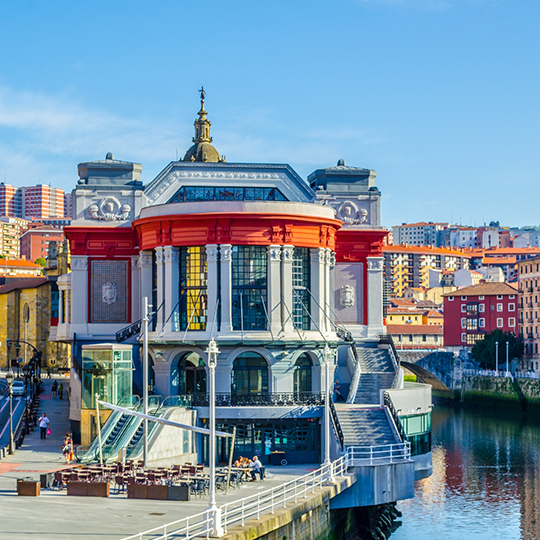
x=485 y=483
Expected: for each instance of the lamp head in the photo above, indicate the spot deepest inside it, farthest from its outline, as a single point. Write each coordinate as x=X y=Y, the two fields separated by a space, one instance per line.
x=26 y=370
x=212 y=351
x=9 y=377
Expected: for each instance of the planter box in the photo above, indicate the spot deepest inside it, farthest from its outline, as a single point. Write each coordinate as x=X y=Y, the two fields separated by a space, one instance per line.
x=28 y=488
x=179 y=493
x=89 y=489
x=137 y=491
x=159 y=492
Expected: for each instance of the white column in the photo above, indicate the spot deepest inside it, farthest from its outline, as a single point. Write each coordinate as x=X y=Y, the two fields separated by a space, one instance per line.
x=171 y=272
x=79 y=289
x=160 y=317
x=135 y=289
x=212 y=288
x=287 y=255
x=374 y=294
x=318 y=280
x=274 y=289
x=325 y=326
x=226 y=288
x=145 y=277
x=330 y=293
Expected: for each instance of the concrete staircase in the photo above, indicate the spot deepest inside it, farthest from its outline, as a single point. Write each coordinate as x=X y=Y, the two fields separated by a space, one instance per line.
x=363 y=426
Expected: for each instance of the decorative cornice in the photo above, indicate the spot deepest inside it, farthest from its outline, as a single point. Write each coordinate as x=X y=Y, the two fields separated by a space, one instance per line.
x=375 y=264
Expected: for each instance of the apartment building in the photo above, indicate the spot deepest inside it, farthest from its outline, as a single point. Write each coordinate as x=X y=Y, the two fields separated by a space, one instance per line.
x=35 y=242
x=34 y=202
x=529 y=308
x=10 y=232
x=418 y=234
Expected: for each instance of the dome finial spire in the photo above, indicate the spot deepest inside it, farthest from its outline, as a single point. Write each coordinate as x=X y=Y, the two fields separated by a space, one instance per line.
x=202 y=124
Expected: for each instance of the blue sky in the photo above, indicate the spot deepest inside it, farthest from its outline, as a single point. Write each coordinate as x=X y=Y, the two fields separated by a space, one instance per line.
x=440 y=97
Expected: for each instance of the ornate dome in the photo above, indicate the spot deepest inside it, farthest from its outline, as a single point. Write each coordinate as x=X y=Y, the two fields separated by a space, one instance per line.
x=202 y=150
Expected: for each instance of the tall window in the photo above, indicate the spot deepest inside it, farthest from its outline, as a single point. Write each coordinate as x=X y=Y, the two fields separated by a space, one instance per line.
x=191 y=375
x=250 y=375
x=301 y=283
x=155 y=306
x=249 y=278
x=302 y=374
x=193 y=293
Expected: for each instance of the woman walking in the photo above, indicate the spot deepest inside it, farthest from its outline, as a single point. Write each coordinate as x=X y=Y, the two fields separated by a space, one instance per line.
x=67 y=448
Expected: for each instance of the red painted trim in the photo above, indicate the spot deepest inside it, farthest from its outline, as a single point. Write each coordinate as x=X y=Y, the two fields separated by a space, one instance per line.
x=111 y=242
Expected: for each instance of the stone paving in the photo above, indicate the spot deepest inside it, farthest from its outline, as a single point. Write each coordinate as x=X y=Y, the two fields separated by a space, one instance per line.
x=54 y=515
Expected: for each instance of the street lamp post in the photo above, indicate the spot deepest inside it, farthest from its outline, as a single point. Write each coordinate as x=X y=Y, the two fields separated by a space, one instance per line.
x=213 y=512
x=26 y=373
x=9 y=380
x=145 y=379
x=327 y=397
x=507 y=358
x=497 y=357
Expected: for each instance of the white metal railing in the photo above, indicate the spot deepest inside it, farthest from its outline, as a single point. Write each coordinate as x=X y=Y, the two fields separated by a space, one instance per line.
x=378 y=455
x=487 y=373
x=527 y=375
x=267 y=502
x=196 y=526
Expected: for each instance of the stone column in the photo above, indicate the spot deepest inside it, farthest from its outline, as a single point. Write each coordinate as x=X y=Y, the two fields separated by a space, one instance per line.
x=79 y=289
x=287 y=255
x=318 y=287
x=374 y=294
x=160 y=308
x=145 y=279
x=226 y=288
x=274 y=289
x=171 y=272
x=135 y=289
x=329 y=307
x=212 y=288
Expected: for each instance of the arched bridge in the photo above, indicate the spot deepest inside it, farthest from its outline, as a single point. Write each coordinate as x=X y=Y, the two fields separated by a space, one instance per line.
x=435 y=368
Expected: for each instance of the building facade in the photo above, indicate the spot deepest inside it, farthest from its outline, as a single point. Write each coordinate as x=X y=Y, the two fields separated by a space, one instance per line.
x=33 y=202
x=35 y=242
x=529 y=308
x=474 y=311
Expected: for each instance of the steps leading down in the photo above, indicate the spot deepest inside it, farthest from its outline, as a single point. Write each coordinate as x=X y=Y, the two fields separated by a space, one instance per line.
x=365 y=426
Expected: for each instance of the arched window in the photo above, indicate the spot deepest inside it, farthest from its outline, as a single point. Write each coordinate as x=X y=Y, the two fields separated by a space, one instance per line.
x=302 y=374
x=191 y=374
x=250 y=375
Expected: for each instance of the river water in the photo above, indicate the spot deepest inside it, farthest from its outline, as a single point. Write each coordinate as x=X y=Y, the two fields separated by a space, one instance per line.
x=485 y=483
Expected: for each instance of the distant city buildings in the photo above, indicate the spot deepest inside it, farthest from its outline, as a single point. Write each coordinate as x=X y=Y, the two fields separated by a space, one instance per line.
x=34 y=202
x=35 y=242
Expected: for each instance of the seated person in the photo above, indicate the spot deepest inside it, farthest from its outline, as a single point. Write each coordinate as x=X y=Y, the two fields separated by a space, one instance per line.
x=256 y=468
x=239 y=462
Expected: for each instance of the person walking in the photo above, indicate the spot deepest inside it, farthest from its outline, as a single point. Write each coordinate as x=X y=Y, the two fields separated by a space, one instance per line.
x=337 y=392
x=67 y=447
x=43 y=423
x=60 y=391
x=48 y=373
x=54 y=388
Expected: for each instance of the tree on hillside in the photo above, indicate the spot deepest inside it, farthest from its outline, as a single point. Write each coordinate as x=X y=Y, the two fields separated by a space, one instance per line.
x=484 y=350
x=41 y=261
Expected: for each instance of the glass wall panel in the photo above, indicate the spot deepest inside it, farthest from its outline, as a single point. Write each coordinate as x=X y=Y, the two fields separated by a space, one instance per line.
x=193 y=288
x=301 y=285
x=302 y=374
x=250 y=375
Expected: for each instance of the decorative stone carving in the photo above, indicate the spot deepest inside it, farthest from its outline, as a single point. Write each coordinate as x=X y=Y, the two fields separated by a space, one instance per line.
x=349 y=213
x=375 y=263
x=109 y=292
x=171 y=254
x=211 y=252
x=274 y=253
x=159 y=255
x=327 y=256
x=145 y=259
x=226 y=252
x=79 y=263
x=332 y=261
x=109 y=209
x=346 y=296
x=287 y=253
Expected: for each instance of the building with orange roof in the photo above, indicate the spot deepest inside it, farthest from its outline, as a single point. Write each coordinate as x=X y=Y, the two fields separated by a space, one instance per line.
x=407 y=266
x=418 y=336
x=17 y=269
x=506 y=259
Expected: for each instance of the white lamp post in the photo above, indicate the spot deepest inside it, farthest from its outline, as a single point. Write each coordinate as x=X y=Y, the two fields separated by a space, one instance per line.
x=507 y=358
x=145 y=378
x=9 y=381
x=328 y=356
x=213 y=512
x=497 y=357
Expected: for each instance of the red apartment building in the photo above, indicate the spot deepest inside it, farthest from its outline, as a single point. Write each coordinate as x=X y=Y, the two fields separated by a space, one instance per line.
x=34 y=202
x=9 y=201
x=35 y=242
x=472 y=312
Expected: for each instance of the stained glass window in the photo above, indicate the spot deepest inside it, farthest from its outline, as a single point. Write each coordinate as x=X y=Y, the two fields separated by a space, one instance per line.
x=301 y=283
x=193 y=292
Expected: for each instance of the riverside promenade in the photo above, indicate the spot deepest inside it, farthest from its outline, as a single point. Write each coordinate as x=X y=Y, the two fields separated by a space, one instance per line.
x=54 y=515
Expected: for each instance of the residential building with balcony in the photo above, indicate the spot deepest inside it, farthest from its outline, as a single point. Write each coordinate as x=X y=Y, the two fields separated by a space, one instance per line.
x=474 y=311
x=418 y=234
x=529 y=309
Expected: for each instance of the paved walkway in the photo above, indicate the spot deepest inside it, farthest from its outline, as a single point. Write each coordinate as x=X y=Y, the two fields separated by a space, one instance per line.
x=54 y=515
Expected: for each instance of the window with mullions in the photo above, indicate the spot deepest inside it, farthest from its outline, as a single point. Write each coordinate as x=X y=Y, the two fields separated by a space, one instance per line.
x=155 y=306
x=249 y=280
x=301 y=283
x=192 y=193
x=249 y=375
x=193 y=292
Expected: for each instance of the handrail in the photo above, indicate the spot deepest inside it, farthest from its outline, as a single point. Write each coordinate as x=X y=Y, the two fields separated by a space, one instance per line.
x=277 y=399
x=337 y=425
x=386 y=339
x=378 y=455
x=395 y=417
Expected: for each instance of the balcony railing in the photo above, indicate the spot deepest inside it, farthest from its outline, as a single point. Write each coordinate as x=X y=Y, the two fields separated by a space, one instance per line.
x=280 y=399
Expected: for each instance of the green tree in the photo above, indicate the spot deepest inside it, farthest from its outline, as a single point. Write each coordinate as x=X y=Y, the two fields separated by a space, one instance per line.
x=41 y=261
x=484 y=350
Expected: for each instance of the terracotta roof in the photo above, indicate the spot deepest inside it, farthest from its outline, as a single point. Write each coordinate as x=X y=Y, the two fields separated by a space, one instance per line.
x=18 y=263
x=433 y=313
x=416 y=329
x=499 y=260
x=484 y=289
x=402 y=248
x=30 y=283
x=504 y=251
x=401 y=302
x=403 y=311
x=420 y=224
